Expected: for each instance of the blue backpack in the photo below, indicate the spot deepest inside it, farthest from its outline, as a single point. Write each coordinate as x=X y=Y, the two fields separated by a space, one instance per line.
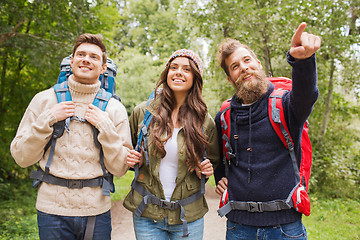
x=106 y=91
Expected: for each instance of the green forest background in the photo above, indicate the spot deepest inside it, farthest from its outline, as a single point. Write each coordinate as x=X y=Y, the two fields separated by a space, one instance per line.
x=141 y=34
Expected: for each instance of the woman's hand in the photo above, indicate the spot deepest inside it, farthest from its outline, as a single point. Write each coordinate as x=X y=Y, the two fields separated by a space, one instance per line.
x=206 y=168
x=133 y=158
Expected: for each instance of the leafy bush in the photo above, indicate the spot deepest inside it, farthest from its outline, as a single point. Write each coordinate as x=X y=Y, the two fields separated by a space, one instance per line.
x=17 y=208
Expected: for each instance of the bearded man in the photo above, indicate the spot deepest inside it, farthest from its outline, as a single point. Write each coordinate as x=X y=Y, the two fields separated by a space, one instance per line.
x=261 y=170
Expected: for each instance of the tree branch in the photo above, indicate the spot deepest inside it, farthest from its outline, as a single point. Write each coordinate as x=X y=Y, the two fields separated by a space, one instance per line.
x=12 y=33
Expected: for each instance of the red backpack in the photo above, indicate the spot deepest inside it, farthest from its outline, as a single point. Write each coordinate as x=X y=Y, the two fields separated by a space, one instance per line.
x=298 y=197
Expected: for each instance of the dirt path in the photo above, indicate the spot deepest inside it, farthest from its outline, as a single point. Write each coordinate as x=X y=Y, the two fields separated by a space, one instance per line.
x=214 y=229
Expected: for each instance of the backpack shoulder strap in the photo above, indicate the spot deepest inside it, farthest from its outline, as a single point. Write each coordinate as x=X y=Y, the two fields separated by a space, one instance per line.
x=147 y=119
x=142 y=141
x=101 y=101
x=228 y=152
x=62 y=92
x=102 y=98
x=225 y=114
x=277 y=119
x=276 y=109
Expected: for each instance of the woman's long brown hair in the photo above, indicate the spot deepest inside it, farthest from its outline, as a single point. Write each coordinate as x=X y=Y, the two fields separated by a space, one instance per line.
x=191 y=116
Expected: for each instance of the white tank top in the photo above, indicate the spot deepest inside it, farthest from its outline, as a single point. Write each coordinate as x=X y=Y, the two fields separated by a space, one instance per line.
x=169 y=165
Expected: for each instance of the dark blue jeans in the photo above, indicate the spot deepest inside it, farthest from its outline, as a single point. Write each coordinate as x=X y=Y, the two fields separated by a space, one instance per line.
x=72 y=228
x=295 y=230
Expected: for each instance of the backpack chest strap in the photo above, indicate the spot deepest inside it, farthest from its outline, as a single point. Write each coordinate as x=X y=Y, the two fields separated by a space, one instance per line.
x=69 y=183
x=271 y=206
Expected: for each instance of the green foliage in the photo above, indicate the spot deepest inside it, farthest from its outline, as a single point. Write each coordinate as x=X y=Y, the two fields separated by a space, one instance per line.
x=336 y=159
x=17 y=208
x=137 y=73
x=20 y=228
x=152 y=27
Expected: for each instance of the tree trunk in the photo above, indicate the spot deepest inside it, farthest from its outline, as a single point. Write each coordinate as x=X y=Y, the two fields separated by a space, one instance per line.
x=328 y=99
x=2 y=87
x=267 y=51
x=354 y=15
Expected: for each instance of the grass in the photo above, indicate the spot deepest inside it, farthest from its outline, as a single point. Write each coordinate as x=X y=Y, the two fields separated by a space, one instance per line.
x=330 y=218
x=333 y=219
x=122 y=186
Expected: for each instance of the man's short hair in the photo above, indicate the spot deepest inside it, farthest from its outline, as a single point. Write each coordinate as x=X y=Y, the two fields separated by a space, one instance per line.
x=226 y=48
x=93 y=39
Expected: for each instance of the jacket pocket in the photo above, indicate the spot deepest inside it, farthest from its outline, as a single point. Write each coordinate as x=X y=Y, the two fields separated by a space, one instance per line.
x=192 y=185
x=144 y=178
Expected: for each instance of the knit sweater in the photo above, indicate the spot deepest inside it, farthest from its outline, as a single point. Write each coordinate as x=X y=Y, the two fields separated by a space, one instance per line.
x=76 y=155
x=266 y=173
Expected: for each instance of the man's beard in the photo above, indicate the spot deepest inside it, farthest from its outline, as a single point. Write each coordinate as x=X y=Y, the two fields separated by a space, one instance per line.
x=251 y=90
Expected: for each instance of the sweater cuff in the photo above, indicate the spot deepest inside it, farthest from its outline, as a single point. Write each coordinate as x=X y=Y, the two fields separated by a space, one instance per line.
x=104 y=125
x=291 y=60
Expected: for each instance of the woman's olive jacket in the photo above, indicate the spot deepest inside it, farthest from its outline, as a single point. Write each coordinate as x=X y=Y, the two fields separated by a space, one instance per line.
x=187 y=183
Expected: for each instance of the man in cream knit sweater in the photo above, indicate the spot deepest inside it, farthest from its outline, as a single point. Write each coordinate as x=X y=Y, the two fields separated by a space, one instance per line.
x=63 y=212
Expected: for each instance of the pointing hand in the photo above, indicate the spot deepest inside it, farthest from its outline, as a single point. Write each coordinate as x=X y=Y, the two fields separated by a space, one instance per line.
x=303 y=44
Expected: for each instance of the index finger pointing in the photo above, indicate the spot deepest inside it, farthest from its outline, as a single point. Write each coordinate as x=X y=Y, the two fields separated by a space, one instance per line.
x=296 y=39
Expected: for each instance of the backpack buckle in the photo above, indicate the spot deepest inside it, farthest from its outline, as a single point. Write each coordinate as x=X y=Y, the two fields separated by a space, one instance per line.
x=75 y=184
x=255 y=207
x=231 y=155
x=167 y=205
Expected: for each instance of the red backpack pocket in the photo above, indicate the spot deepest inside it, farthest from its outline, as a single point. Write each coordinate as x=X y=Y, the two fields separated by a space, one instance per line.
x=301 y=200
x=224 y=198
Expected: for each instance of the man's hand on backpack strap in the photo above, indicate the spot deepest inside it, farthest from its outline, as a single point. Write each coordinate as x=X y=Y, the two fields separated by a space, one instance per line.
x=63 y=110
x=95 y=115
x=221 y=186
x=303 y=44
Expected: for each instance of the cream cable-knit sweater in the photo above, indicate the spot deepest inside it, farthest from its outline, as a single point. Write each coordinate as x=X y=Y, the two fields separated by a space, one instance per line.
x=76 y=156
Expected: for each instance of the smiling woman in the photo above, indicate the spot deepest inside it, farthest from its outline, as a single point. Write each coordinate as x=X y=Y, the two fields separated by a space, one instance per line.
x=182 y=146
x=180 y=78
